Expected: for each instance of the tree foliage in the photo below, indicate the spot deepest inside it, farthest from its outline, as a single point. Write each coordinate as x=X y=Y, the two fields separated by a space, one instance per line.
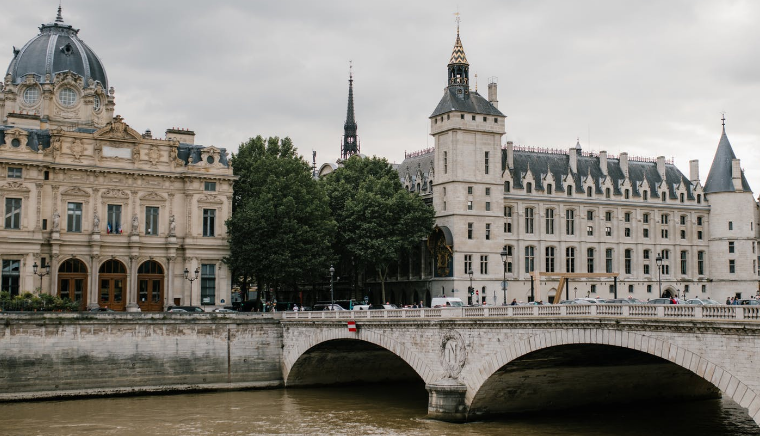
x=377 y=219
x=280 y=230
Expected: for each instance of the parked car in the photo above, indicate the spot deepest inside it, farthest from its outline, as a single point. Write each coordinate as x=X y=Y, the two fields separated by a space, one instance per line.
x=102 y=309
x=383 y=306
x=185 y=309
x=327 y=306
x=361 y=307
x=660 y=301
x=446 y=301
x=701 y=302
x=224 y=310
x=750 y=302
x=588 y=301
x=620 y=301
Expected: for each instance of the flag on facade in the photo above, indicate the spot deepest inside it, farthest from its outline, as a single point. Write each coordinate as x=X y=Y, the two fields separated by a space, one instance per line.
x=352 y=326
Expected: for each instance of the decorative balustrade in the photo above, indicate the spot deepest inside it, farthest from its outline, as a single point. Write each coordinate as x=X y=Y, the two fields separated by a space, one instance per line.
x=680 y=311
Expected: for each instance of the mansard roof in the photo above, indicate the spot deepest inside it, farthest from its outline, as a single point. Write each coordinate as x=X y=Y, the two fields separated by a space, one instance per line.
x=541 y=163
x=720 y=177
x=422 y=162
x=472 y=102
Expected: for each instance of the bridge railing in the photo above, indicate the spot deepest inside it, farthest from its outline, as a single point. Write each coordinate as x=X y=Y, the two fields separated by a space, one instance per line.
x=676 y=311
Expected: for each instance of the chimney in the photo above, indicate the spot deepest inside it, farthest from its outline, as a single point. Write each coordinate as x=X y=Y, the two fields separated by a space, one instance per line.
x=624 y=163
x=736 y=174
x=492 y=82
x=510 y=155
x=181 y=135
x=661 y=167
x=603 y=162
x=573 y=159
x=694 y=171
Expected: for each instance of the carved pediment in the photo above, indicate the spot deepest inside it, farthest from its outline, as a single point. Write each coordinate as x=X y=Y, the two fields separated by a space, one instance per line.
x=118 y=129
x=114 y=193
x=15 y=139
x=76 y=192
x=152 y=196
x=208 y=198
x=14 y=186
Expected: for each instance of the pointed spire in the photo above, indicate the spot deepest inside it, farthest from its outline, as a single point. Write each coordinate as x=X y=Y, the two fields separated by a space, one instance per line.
x=350 y=144
x=720 y=177
x=59 y=17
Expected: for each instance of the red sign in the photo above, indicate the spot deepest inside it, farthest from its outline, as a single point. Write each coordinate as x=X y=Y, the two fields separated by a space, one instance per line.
x=352 y=326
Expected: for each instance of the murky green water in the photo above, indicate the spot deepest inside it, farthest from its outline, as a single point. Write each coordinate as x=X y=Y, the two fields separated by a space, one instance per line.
x=365 y=410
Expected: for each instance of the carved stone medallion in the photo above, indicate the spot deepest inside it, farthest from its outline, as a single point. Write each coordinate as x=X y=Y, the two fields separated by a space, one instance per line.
x=453 y=353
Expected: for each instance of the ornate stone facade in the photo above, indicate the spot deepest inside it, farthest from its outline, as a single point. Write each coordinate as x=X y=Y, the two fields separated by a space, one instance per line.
x=117 y=215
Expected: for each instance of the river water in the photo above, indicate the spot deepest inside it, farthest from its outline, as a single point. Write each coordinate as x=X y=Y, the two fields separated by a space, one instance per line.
x=364 y=410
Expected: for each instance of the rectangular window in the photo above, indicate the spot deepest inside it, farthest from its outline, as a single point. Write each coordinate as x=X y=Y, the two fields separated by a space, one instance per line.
x=484 y=264
x=13 y=213
x=570 y=222
x=590 y=230
x=627 y=232
x=151 y=220
x=469 y=190
x=74 y=217
x=469 y=230
x=730 y=225
x=549 y=189
x=664 y=233
x=467 y=263
x=488 y=232
x=628 y=261
x=550 y=259
x=608 y=231
x=208 y=283
x=646 y=233
x=590 y=260
x=645 y=217
x=699 y=220
x=486 y=162
x=649 y=287
x=627 y=217
x=14 y=173
x=488 y=191
x=645 y=195
x=11 y=277
x=704 y=288
x=530 y=258
x=608 y=260
x=469 y=205
x=646 y=269
x=508 y=211
x=570 y=259
x=683 y=220
x=209 y=186
x=508 y=265
x=113 y=218
x=589 y=215
x=507 y=187
x=732 y=266
x=701 y=263
x=731 y=247
x=608 y=216
x=445 y=162
x=549 y=221
x=630 y=289
x=528 y=220
x=684 y=262
x=664 y=218
x=488 y=206
x=209 y=222
x=683 y=234
x=699 y=235
x=593 y=289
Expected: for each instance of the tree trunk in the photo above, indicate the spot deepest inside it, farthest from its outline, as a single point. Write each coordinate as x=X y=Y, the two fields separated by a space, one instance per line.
x=382 y=273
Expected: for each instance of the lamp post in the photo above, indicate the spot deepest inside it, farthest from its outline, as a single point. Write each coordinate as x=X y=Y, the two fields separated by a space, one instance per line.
x=471 y=291
x=504 y=254
x=41 y=274
x=575 y=292
x=332 y=294
x=191 y=279
x=658 y=259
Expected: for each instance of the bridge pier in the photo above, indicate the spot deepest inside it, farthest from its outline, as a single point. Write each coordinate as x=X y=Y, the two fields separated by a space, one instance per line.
x=446 y=400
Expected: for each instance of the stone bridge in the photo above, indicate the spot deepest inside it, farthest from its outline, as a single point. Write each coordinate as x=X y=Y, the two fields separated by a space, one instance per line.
x=500 y=360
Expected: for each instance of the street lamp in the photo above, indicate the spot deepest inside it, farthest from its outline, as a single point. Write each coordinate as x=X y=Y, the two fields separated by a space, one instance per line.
x=41 y=274
x=191 y=279
x=575 y=292
x=472 y=291
x=659 y=272
x=504 y=254
x=332 y=294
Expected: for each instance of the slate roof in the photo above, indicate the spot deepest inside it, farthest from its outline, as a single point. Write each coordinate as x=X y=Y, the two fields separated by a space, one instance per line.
x=472 y=102
x=412 y=165
x=720 y=177
x=542 y=163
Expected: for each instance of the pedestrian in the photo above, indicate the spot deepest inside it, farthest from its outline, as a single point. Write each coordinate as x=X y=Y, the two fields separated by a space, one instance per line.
x=728 y=300
x=422 y=304
x=514 y=302
x=295 y=308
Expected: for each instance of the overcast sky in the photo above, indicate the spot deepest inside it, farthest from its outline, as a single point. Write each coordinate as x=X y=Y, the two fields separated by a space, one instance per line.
x=647 y=77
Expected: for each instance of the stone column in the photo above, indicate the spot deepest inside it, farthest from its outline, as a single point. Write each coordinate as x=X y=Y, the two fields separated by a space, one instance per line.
x=169 y=294
x=446 y=400
x=54 y=273
x=93 y=296
x=132 y=285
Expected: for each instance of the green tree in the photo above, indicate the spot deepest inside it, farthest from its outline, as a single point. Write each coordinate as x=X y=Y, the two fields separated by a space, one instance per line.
x=378 y=220
x=280 y=230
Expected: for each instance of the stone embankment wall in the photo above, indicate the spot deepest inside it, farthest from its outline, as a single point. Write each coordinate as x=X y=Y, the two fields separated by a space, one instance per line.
x=60 y=355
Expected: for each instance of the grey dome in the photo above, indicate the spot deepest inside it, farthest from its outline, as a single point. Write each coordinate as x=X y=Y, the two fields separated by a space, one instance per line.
x=57 y=49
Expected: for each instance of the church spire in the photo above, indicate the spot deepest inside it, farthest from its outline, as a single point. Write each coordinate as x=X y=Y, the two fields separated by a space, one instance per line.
x=350 y=145
x=459 y=68
x=59 y=17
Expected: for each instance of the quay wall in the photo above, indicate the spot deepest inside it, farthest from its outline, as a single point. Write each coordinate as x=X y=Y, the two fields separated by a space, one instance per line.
x=55 y=355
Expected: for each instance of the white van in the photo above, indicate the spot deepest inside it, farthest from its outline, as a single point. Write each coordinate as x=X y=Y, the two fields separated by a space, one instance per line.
x=446 y=302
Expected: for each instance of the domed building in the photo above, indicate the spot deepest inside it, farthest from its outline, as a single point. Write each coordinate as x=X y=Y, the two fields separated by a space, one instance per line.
x=93 y=210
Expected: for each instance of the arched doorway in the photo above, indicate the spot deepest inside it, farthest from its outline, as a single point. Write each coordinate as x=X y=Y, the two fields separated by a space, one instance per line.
x=668 y=293
x=72 y=281
x=150 y=286
x=112 y=277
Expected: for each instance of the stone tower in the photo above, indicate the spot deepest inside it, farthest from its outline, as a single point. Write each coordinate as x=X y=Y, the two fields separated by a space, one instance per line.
x=468 y=196
x=350 y=145
x=733 y=225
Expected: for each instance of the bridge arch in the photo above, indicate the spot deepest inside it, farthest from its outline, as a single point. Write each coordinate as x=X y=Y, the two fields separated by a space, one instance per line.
x=714 y=374
x=306 y=342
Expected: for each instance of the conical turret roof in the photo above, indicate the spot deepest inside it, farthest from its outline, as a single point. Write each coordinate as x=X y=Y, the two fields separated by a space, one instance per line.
x=457 y=56
x=720 y=177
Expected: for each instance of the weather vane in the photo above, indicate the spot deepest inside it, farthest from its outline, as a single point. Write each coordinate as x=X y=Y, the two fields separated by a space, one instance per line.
x=723 y=118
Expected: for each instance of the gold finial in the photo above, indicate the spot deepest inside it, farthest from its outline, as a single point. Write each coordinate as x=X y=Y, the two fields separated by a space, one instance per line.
x=476 y=82
x=457 y=19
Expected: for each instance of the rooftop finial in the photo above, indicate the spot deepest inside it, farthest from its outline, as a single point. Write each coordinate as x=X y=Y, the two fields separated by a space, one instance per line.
x=457 y=19
x=350 y=71
x=59 y=18
x=723 y=120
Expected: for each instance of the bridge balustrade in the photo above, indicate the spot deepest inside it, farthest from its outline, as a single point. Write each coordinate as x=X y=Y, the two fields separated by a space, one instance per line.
x=680 y=311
